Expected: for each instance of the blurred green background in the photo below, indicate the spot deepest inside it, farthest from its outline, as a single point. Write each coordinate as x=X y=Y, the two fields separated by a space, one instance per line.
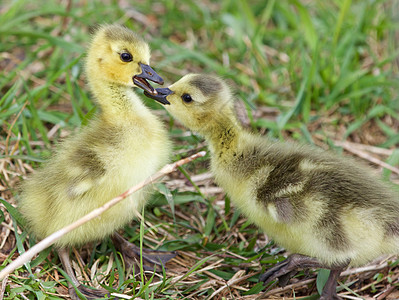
x=322 y=72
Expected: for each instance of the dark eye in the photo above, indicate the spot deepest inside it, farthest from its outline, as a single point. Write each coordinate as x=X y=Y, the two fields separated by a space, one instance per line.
x=187 y=98
x=126 y=57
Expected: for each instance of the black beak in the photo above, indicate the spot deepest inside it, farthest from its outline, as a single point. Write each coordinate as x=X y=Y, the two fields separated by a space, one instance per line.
x=160 y=96
x=147 y=73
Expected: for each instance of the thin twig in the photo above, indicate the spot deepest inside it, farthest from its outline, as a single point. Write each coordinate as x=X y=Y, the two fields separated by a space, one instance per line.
x=12 y=125
x=233 y=281
x=51 y=239
x=375 y=268
x=368 y=157
x=368 y=148
x=189 y=274
x=289 y=287
x=3 y=287
x=350 y=297
x=389 y=290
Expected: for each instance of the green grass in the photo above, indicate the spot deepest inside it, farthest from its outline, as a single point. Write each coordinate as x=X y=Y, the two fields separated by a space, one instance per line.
x=314 y=71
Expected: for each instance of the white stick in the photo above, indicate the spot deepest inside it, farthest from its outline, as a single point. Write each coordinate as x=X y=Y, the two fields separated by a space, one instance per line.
x=362 y=154
x=48 y=241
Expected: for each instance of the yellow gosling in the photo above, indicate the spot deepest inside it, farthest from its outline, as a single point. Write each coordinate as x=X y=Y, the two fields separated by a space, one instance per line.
x=121 y=146
x=326 y=209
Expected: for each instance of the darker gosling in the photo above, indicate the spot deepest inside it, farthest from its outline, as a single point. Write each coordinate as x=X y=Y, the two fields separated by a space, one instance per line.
x=328 y=210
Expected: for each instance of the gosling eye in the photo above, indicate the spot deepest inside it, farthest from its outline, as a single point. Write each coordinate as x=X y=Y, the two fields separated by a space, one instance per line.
x=126 y=57
x=187 y=98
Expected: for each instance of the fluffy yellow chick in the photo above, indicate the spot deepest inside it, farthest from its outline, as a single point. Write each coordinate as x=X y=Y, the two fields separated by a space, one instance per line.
x=326 y=209
x=121 y=146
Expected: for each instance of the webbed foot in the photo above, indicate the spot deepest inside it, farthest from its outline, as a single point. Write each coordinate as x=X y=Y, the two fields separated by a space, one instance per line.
x=89 y=293
x=131 y=255
x=287 y=268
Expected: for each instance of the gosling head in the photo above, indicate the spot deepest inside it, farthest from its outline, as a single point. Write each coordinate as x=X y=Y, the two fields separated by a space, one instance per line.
x=197 y=101
x=118 y=56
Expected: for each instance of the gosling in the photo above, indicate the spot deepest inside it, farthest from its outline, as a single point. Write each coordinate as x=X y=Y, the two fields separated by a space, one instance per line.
x=121 y=146
x=327 y=210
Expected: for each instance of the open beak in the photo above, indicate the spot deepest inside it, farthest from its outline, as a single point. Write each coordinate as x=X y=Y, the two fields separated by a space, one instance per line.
x=160 y=95
x=147 y=73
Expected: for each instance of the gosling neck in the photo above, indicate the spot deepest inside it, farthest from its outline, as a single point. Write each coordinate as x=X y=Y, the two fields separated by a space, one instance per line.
x=117 y=103
x=222 y=135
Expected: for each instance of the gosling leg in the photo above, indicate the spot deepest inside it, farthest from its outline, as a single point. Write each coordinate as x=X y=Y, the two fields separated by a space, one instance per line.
x=286 y=268
x=330 y=288
x=89 y=293
x=131 y=255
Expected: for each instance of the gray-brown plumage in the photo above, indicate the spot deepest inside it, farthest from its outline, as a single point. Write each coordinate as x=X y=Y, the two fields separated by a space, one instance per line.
x=327 y=209
x=121 y=146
